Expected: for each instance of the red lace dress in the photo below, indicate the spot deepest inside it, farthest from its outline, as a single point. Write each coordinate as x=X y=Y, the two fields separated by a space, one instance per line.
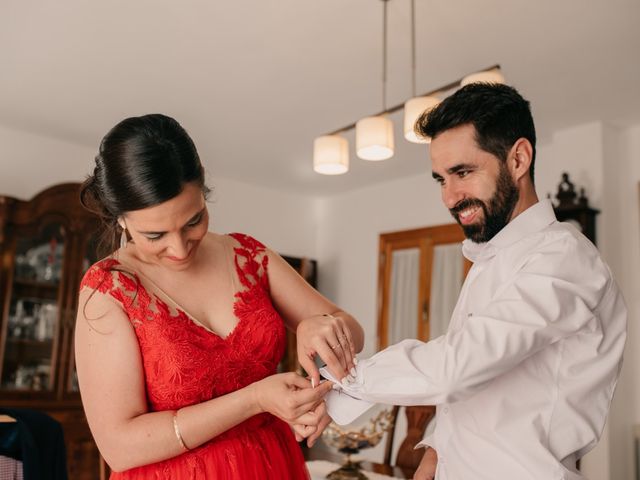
x=185 y=363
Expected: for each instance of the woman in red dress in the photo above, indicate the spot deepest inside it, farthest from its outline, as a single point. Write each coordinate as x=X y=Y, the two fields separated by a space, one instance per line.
x=180 y=330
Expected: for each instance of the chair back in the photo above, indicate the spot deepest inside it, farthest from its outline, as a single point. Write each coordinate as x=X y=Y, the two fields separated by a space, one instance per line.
x=418 y=418
x=40 y=440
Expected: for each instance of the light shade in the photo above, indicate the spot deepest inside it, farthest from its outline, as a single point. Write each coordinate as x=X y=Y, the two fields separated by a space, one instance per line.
x=488 y=76
x=412 y=110
x=330 y=155
x=374 y=138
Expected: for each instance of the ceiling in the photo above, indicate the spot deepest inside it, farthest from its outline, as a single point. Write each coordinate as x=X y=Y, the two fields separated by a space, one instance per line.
x=254 y=81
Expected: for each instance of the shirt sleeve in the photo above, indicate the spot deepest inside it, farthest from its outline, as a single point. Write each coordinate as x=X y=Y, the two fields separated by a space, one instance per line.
x=427 y=439
x=552 y=296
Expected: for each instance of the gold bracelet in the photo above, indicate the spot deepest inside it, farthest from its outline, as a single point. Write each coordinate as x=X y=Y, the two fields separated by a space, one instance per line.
x=177 y=430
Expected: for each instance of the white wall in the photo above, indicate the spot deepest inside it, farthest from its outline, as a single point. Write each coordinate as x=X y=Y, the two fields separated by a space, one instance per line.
x=578 y=151
x=29 y=163
x=285 y=222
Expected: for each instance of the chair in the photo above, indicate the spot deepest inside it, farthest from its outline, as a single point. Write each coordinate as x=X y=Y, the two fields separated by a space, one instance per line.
x=35 y=439
x=418 y=418
x=10 y=456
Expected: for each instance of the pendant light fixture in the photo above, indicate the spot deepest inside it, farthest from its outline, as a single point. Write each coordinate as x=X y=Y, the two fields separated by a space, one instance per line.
x=374 y=135
x=493 y=75
x=331 y=155
x=416 y=106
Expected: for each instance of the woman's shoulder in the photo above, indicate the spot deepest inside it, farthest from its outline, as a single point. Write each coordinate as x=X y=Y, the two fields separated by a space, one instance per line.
x=100 y=268
x=101 y=275
x=251 y=257
x=247 y=241
x=106 y=264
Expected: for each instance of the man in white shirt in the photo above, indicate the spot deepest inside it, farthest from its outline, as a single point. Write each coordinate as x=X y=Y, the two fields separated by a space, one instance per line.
x=524 y=377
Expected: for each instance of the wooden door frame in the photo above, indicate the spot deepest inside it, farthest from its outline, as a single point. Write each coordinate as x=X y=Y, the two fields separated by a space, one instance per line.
x=425 y=239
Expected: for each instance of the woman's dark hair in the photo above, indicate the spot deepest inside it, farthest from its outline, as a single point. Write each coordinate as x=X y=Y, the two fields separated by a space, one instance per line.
x=142 y=161
x=498 y=112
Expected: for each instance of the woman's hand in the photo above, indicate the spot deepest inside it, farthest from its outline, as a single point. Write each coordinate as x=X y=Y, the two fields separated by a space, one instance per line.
x=427 y=468
x=290 y=397
x=312 y=432
x=328 y=336
x=335 y=336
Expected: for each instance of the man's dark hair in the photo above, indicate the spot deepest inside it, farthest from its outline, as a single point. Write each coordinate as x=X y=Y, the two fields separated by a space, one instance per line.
x=498 y=112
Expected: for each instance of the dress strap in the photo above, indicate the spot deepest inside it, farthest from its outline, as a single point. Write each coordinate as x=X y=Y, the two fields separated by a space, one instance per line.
x=251 y=261
x=110 y=277
x=229 y=255
x=99 y=275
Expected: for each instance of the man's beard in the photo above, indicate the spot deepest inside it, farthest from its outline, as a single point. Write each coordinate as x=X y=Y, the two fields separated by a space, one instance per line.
x=496 y=214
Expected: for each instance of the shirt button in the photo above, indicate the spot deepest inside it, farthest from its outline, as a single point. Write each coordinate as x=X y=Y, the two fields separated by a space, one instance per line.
x=445 y=410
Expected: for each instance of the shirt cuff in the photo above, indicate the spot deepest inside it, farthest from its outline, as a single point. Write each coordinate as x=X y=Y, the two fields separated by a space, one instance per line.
x=426 y=442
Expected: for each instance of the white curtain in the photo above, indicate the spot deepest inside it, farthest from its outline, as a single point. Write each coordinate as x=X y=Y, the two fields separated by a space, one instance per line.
x=446 y=282
x=403 y=305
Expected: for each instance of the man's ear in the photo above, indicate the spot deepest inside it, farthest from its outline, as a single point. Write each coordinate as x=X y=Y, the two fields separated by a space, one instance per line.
x=519 y=159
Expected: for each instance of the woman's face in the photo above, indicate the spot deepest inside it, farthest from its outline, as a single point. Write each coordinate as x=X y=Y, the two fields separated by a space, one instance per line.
x=168 y=234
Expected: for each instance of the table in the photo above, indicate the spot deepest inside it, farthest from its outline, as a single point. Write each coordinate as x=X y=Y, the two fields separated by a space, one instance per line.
x=384 y=471
x=320 y=468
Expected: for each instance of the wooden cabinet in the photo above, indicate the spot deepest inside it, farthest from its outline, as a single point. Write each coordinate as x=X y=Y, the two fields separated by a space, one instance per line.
x=46 y=245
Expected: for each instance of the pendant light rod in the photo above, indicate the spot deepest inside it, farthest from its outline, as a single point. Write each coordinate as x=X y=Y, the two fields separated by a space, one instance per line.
x=384 y=54
x=400 y=106
x=413 y=48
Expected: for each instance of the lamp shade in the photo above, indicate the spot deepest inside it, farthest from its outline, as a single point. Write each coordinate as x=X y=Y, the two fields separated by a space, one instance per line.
x=374 y=138
x=488 y=76
x=413 y=108
x=331 y=155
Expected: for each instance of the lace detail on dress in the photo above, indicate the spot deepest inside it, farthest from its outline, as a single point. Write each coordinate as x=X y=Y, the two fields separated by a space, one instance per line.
x=184 y=363
x=250 y=258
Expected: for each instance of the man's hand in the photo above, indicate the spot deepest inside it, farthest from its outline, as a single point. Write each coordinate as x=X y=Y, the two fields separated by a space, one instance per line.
x=427 y=468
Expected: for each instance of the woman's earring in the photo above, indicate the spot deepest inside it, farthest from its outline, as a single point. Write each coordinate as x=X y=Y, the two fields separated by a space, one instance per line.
x=123 y=236
x=123 y=239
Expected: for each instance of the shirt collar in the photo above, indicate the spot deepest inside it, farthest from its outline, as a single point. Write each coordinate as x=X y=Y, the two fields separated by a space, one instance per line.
x=532 y=220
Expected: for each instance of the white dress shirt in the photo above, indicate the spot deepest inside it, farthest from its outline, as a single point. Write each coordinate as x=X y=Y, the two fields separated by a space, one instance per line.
x=524 y=376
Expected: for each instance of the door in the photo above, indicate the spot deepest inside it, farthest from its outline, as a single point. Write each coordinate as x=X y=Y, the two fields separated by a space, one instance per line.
x=420 y=275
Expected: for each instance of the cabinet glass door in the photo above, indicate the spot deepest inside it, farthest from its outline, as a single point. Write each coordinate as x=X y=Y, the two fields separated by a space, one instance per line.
x=31 y=331
x=89 y=258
